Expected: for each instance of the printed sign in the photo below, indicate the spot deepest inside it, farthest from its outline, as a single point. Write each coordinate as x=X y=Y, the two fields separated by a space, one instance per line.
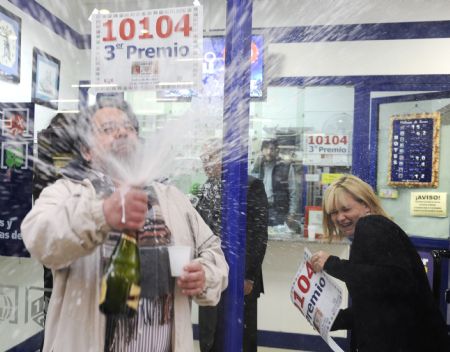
x=23 y=305
x=36 y=304
x=160 y=48
x=328 y=178
x=326 y=149
x=9 y=304
x=414 y=150
x=317 y=297
x=432 y=204
x=389 y=193
x=16 y=148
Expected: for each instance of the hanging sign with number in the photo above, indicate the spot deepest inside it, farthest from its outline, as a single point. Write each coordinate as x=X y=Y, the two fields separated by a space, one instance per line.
x=139 y=50
x=326 y=149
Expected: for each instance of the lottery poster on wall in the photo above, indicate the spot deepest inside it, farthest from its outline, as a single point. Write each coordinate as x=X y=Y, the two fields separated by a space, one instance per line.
x=322 y=149
x=414 y=150
x=318 y=298
x=16 y=174
x=139 y=50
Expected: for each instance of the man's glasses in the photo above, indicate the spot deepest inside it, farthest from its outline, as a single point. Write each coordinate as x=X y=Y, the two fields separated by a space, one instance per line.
x=111 y=128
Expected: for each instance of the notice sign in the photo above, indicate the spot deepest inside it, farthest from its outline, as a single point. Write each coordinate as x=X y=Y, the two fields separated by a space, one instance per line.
x=317 y=297
x=414 y=150
x=326 y=149
x=328 y=178
x=141 y=50
x=433 y=204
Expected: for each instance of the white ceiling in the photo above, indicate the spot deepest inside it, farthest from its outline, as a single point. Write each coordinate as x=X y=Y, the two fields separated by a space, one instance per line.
x=267 y=13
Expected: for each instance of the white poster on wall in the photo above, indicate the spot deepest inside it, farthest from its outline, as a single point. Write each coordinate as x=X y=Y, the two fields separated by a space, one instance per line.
x=139 y=50
x=317 y=297
x=323 y=149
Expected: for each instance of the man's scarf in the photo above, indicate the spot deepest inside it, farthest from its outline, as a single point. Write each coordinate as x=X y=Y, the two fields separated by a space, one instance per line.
x=156 y=281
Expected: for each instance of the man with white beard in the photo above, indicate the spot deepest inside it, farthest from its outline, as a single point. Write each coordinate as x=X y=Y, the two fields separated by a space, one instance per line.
x=76 y=222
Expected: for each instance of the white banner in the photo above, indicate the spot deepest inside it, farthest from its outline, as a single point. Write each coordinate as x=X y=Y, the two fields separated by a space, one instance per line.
x=139 y=50
x=326 y=149
x=317 y=297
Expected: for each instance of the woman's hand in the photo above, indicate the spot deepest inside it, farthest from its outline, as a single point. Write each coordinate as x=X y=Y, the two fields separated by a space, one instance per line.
x=192 y=282
x=318 y=260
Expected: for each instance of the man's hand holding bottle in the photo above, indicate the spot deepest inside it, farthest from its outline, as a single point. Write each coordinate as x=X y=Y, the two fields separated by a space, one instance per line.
x=126 y=210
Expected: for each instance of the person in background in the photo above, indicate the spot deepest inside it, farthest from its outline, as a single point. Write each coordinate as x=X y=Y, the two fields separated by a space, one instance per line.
x=209 y=207
x=392 y=306
x=279 y=183
x=75 y=224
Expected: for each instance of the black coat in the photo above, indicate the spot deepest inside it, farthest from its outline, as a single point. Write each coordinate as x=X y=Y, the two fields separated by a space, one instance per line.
x=209 y=208
x=257 y=220
x=392 y=308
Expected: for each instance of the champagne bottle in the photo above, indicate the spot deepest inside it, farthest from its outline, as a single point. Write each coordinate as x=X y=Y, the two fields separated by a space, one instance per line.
x=121 y=289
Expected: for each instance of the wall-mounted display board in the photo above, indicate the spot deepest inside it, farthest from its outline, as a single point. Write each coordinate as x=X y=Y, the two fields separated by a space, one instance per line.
x=16 y=174
x=414 y=150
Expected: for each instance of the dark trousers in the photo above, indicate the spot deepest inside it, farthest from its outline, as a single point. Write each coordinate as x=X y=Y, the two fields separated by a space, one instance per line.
x=209 y=333
x=207 y=326
x=250 y=323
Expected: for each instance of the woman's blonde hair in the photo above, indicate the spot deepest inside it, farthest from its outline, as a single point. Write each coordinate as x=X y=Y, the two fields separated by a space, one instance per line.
x=355 y=187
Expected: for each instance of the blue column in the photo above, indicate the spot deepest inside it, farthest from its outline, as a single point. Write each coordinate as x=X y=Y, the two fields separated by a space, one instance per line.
x=234 y=198
x=361 y=134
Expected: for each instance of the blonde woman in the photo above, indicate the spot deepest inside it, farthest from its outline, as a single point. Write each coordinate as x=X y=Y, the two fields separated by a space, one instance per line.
x=392 y=306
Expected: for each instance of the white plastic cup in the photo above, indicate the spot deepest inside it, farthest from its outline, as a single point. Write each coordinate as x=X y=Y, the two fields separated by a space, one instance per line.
x=312 y=229
x=179 y=256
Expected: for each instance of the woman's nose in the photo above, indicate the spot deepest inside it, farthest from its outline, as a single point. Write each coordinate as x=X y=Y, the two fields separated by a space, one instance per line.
x=339 y=216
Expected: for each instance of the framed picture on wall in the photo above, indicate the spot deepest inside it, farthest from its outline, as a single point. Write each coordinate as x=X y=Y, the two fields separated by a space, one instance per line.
x=10 y=38
x=45 y=81
x=15 y=121
x=14 y=155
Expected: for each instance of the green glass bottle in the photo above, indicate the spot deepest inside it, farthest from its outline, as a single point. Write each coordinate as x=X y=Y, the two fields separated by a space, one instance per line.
x=121 y=288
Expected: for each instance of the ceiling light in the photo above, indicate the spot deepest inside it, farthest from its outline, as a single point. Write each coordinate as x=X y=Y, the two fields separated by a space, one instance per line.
x=68 y=111
x=64 y=100
x=93 y=85
x=175 y=83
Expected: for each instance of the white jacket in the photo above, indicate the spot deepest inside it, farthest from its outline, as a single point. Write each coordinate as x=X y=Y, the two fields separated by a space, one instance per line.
x=64 y=230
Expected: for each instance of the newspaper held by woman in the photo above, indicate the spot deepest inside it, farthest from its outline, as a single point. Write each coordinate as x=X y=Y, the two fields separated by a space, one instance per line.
x=318 y=298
